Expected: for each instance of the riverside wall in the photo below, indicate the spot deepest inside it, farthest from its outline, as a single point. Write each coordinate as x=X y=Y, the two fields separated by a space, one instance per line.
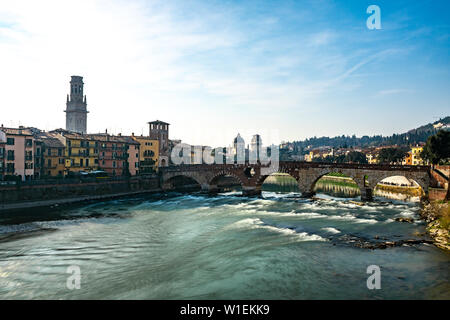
x=16 y=195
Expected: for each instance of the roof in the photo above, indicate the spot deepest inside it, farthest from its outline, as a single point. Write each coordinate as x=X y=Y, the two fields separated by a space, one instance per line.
x=104 y=137
x=158 y=122
x=51 y=140
x=147 y=138
x=17 y=131
x=73 y=135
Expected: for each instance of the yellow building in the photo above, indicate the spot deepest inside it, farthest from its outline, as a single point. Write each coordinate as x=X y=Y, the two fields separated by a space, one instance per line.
x=408 y=159
x=81 y=152
x=372 y=158
x=53 y=154
x=311 y=155
x=148 y=154
x=416 y=159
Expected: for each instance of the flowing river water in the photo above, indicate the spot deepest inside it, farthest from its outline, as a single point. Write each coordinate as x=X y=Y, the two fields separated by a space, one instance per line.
x=194 y=246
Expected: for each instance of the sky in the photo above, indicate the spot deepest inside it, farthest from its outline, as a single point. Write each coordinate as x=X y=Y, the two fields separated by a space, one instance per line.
x=287 y=70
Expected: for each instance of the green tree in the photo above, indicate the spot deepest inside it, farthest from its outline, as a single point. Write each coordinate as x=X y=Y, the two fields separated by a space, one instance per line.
x=356 y=157
x=437 y=148
x=391 y=155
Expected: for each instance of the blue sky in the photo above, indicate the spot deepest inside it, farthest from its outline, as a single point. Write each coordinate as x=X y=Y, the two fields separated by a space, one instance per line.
x=285 y=69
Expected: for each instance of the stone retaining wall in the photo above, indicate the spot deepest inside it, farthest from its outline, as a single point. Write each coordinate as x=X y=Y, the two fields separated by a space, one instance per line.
x=21 y=193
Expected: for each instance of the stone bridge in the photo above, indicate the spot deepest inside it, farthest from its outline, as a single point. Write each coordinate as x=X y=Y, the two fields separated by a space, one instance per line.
x=366 y=176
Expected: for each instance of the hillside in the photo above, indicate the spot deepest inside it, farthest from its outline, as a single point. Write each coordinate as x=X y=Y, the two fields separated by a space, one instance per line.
x=413 y=136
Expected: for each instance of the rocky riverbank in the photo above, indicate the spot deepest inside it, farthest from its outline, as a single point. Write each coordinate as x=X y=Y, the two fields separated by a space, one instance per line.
x=437 y=215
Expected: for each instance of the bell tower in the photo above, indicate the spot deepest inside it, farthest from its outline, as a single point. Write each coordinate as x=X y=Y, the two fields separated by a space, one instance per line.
x=76 y=113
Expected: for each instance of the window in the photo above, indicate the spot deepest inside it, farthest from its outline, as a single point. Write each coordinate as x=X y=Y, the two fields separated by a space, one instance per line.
x=10 y=155
x=10 y=167
x=87 y=162
x=114 y=164
x=60 y=152
x=10 y=141
x=28 y=143
x=49 y=151
x=49 y=163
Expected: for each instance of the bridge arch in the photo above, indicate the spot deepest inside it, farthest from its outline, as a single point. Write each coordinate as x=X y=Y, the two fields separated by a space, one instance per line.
x=422 y=179
x=180 y=181
x=400 y=187
x=278 y=182
x=214 y=181
x=348 y=180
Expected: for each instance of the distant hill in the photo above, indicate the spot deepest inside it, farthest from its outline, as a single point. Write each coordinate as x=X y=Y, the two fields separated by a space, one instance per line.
x=413 y=136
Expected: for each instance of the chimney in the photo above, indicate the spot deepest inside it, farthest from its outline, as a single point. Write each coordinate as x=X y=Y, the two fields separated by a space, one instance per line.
x=120 y=134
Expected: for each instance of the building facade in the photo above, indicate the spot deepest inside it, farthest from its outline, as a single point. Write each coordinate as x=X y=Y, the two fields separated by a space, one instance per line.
x=148 y=154
x=80 y=153
x=117 y=154
x=19 y=152
x=159 y=130
x=2 y=154
x=416 y=158
x=53 y=154
x=76 y=107
x=133 y=156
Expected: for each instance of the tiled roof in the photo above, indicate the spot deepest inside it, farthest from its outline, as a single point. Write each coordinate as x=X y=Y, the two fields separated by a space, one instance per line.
x=50 y=140
x=103 y=137
x=17 y=131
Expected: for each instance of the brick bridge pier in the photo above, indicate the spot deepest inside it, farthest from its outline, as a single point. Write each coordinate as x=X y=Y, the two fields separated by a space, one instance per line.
x=366 y=176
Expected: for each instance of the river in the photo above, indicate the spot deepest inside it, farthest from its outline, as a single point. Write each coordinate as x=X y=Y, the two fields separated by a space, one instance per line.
x=179 y=246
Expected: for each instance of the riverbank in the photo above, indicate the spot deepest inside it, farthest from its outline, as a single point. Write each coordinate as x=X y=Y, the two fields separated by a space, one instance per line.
x=437 y=216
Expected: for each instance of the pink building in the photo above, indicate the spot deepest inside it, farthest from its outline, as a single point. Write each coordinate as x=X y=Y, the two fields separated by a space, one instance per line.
x=2 y=154
x=19 y=157
x=133 y=156
x=118 y=155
